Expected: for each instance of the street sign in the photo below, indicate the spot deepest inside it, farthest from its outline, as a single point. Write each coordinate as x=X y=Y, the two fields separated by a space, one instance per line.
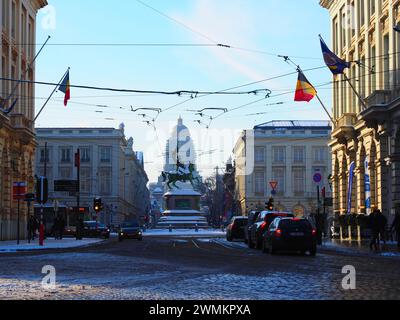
x=317 y=177
x=66 y=186
x=273 y=184
x=273 y=192
x=19 y=190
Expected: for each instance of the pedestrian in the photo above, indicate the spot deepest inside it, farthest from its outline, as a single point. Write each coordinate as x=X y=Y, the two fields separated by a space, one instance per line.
x=55 y=228
x=31 y=228
x=382 y=223
x=374 y=226
x=60 y=227
x=396 y=226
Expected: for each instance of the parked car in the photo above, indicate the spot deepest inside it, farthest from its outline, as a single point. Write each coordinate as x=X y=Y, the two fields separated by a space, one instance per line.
x=94 y=229
x=130 y=230
x=261 y=225
x=236 y=228
x=251 y=219
x=290 y=234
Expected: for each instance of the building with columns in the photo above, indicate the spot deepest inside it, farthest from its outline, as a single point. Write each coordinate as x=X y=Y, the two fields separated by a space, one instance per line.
x=17 y=137
x=289 y=153
x=110 y=169
x=366 y=129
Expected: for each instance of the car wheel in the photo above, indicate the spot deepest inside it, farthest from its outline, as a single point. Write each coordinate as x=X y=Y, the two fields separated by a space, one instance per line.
x=272 y=250
x=250 y=244
x=258 y=244
x=264 y=247
x=229 y=238
x=313 y=252
x=140 y=239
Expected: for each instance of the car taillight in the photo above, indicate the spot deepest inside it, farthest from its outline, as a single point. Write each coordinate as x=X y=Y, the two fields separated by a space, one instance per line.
x=263 y=225
x=314 y=232
x=278 y=232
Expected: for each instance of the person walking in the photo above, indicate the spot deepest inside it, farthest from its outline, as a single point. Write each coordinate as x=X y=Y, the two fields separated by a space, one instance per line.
x=374 y=226
x=31 y=228
x=396 y=226
x=60 y=227
x=55 y=228
x=382 y=224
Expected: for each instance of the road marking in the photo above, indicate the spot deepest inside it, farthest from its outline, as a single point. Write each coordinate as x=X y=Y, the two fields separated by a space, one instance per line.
x=221 y=244
x=195 y=244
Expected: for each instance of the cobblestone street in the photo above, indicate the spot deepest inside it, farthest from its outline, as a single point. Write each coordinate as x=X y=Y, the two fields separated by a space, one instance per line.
x=194 y=268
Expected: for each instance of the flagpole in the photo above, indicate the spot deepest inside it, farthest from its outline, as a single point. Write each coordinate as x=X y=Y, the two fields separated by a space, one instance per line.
x=355 y=91
x=319 y=99
x=48 y=99
x=323 y=106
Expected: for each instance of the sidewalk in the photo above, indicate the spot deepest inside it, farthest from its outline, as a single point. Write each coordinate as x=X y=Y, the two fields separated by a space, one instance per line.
x=362 y=248
x=50 y=243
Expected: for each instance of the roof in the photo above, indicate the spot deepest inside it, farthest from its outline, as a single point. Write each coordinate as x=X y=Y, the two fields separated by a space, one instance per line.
x=295 y=124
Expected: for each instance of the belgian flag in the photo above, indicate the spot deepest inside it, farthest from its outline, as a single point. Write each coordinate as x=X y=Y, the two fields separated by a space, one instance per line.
x=65 y=87
x=304 y=90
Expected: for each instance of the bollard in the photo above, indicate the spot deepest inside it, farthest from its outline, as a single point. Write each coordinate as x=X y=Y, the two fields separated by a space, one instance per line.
x=197 y=228
x=170 y=228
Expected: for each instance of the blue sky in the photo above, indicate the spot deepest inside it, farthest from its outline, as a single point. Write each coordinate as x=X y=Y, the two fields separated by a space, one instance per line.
x=279 y=27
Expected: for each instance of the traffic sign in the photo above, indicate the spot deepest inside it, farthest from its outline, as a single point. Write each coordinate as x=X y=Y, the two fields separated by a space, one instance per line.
x=19 y=190
x=317 y=177
x=273 y=184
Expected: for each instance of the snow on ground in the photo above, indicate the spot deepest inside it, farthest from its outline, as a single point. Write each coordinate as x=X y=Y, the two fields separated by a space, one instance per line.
x=135 y=278
x=12 y=246
x=184 y=232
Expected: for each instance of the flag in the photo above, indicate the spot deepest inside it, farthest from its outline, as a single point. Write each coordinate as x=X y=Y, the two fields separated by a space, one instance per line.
x=304 y=90
x=334 y=63
x=65 y=87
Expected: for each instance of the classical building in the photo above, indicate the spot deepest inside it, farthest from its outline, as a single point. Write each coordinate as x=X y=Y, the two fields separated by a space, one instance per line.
x=289 y=153
x=17 y=137
x=369 y=130
x=110 y=169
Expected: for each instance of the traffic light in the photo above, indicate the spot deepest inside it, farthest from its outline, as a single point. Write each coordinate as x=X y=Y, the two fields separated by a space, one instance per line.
x=42 y=190
x=270 y=204
x=97 y=205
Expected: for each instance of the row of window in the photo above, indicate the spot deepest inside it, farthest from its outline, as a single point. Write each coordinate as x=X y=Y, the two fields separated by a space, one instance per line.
x=319 y=154
x=66 y=154
x=299 y=179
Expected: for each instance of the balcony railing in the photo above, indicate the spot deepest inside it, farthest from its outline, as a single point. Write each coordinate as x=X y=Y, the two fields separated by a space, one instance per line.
x=346 y=120
x=382 y=97
x=19 y=121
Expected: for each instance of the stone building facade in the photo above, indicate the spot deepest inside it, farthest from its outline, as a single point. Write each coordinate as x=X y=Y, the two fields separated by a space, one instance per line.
x=363 y=31
x=110 y=169
x=17 y=137
x=289 y=153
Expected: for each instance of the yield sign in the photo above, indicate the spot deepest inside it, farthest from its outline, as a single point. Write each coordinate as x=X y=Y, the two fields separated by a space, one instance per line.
x=273 y=184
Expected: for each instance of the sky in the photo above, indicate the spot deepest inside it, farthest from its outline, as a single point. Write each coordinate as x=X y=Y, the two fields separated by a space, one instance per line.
x=257 y=31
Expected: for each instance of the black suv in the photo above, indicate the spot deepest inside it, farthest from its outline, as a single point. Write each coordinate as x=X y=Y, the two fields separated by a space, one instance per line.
x=236 y=228
x=260 y=226
x=290 y=234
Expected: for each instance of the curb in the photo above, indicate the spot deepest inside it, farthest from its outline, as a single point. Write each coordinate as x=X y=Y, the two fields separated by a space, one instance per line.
x=5 y=251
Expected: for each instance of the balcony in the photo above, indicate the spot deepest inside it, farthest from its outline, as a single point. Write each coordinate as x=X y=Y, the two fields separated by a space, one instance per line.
x=344 y=127
x=382 y=106
x=23 y=128
x=382 y=97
